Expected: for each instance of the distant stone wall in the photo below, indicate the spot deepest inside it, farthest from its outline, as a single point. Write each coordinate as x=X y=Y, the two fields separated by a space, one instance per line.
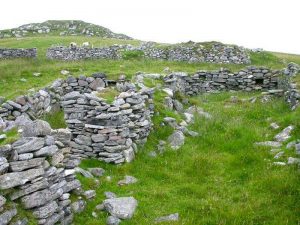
x=292 y=95
x=74 y=53
x=248 y=79
x=8 y=53
x=108 y=132
x=217 y=53
x=34 y=177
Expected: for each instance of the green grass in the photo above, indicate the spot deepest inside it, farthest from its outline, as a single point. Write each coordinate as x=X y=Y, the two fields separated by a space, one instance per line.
x=11 y=136
x=108 y=94
x=219 y=177
x=55 y=119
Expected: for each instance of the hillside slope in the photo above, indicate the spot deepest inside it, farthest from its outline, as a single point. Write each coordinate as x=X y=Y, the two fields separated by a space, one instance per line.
x=62 y=28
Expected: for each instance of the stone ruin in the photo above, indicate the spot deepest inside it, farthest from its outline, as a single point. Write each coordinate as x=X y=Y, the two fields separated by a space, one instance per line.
x=38 y=170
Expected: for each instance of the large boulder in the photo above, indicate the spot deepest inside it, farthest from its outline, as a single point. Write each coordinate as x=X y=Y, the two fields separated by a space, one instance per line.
x=122 y=208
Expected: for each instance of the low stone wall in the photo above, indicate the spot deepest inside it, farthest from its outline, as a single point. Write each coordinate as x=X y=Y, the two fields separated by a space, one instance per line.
x=8 y=53
x=74 y=53
x=217 y=53
x=292 y=95
x=105 y=131
x=33 y=175
x=48 y=98
x=248 y=79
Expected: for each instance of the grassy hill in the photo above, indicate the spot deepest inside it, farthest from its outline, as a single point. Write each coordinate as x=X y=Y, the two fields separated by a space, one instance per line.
x=61 y=28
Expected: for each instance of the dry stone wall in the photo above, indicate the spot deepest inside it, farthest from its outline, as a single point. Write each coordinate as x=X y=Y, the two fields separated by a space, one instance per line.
x=248 y=79
x=48 y=99
x=217 y=53
x=8 y=53
x=105 y=131
x=34 y=176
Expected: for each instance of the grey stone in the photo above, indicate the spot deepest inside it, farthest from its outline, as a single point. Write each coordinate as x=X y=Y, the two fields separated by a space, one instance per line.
x=45 y=211
x=171 y=217
x=274 y=126
x=97 y=172
x=78 y=206
x=292 y=161
x=30 y=188
x=122 y=208
x=112 y=220
x=285 y=134
x=40 y=198
x=25 y=156
x=28 y=144
x=2 y=201
x=24 y=165
x=89 y=194
x=273 y=144
x=5 y=151
x=3 y=165
x=176 y=140
x=110 y=195
x=10 y=180
x=83 y=172
x=127 y=180
x=7 y=216
x=46 y=151
x=36 y=128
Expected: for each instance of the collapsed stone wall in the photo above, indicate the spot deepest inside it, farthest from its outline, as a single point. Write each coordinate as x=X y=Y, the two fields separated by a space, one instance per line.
x=217 y=53
x=8 y=53
x=108 y=132
x=34 y=176
x=249 y=79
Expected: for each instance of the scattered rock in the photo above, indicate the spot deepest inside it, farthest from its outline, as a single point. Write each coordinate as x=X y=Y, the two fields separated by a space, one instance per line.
x=176 y=140
x=127 y=180
x=285 y=134
x=278 y=155
x=89 y=194
x=110 y=195
x=122 y=208
x=97 y=172
x=273 y=144
x=274 y=126
x=292 y=161
x=78 y=206
x=279 y=163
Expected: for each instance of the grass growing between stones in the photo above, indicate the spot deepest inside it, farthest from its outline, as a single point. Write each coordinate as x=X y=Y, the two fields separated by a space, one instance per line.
x=108 y=94
x=55 y=119
x=11 y=136
x=219 y=177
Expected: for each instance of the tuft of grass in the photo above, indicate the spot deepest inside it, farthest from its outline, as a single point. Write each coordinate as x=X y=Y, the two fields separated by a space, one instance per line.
x=108 y=94
x=55 y=119
x=133 y=54
x=12 y=136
